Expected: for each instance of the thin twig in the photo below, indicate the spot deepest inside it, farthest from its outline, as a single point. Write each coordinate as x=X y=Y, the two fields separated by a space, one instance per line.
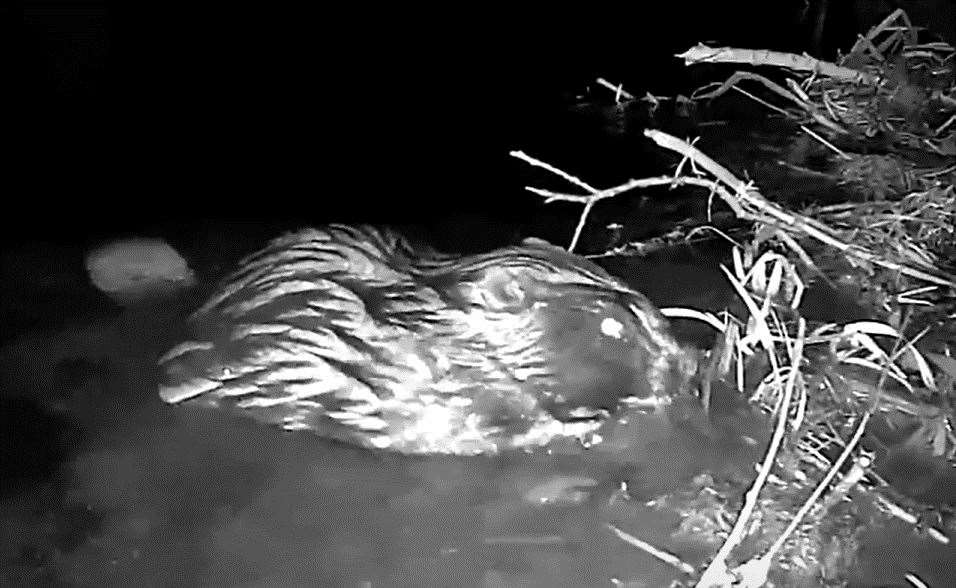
x=646 y=547
x=747 y=195
x=717 y=573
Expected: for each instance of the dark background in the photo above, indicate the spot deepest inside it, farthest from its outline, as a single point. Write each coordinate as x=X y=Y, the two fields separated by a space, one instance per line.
x=145 y=116
x=185 y=120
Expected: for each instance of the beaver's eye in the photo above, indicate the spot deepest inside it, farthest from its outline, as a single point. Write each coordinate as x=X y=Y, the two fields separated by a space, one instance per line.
x=612 y=328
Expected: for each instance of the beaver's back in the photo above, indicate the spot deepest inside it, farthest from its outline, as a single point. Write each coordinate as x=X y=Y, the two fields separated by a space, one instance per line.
x=350 y=333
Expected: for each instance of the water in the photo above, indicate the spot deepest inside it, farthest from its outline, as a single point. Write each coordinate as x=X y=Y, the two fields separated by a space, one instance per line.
x=104 y=485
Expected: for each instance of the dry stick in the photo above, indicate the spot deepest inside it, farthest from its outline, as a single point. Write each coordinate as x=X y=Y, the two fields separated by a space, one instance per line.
x=629 y=185
x=618 y=89
x=717 y=573
x=895 y=510
x=754 y=572
x=589 y=201
x=808 y=107
x=701 y=53
x=763 y=102
x=826 y=143
x=646 y=547
x=562 y=174
x=898 y=14
x=597 y=195
x=746 y=194
x=818 y=490
x=810 y=226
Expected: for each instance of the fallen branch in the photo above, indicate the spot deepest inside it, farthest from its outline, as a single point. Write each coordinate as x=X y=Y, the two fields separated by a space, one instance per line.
x=751 y=204
x=701 y=53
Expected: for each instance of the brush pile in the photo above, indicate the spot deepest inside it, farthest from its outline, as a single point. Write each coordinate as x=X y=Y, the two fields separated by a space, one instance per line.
x=847 y=398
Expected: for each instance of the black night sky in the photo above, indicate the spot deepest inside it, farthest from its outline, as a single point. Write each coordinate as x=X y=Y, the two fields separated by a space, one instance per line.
x=138 y=114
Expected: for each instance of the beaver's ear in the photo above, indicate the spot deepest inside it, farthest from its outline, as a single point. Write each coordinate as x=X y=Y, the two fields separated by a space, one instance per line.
x=504 y=288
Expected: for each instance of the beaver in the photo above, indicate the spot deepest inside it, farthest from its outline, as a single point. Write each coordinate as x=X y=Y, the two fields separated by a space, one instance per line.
x=353 y=334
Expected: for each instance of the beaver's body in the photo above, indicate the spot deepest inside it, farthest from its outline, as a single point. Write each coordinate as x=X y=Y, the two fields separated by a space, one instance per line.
x=349 y=333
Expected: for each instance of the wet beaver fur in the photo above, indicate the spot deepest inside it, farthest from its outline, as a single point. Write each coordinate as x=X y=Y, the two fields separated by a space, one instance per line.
x=350 y=333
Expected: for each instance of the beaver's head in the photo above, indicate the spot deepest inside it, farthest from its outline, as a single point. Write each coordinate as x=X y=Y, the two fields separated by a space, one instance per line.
x=579 y=337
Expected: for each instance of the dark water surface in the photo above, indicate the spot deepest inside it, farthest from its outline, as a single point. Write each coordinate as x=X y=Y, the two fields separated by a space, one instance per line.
x=104 y=485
